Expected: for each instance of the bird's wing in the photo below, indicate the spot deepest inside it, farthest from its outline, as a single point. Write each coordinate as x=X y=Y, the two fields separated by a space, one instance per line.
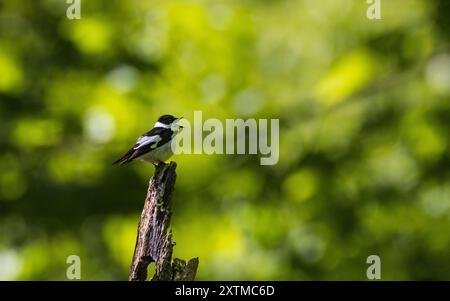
x=146 y=143
x=147 y=140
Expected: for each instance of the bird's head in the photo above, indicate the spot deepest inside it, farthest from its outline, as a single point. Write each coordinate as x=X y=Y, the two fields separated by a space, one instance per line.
x=169 y=122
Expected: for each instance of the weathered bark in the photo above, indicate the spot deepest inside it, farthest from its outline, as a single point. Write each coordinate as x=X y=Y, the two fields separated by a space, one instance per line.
x=153 y=242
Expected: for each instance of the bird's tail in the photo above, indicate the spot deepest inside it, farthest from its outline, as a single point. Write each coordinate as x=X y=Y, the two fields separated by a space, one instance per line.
x=125 y=158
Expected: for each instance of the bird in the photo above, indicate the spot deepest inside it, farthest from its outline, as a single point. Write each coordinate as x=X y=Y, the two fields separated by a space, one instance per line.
x=154 y=146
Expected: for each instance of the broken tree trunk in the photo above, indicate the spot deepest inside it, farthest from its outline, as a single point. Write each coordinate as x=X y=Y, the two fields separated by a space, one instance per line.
x=153 y=242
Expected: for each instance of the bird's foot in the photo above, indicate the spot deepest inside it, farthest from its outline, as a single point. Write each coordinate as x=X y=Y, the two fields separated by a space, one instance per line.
x=159 y=164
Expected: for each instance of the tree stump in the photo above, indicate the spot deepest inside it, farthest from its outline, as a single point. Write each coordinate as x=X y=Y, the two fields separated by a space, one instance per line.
x=154 y=242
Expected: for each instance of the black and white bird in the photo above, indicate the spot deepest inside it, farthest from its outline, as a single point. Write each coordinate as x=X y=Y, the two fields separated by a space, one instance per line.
x=155 y=145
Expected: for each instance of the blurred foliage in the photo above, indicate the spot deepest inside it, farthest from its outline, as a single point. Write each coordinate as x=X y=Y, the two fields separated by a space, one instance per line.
x=364 y=140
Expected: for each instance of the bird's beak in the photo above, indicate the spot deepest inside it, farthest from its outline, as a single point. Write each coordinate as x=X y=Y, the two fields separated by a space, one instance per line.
x=178 y=119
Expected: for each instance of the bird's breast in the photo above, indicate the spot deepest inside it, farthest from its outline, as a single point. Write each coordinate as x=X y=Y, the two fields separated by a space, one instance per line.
x=162 y=153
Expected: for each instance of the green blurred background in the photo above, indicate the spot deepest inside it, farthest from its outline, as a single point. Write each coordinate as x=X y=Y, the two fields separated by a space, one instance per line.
x=364 y=136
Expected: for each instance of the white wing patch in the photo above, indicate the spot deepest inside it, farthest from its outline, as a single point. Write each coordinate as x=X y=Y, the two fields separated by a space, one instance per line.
x=144 y=140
